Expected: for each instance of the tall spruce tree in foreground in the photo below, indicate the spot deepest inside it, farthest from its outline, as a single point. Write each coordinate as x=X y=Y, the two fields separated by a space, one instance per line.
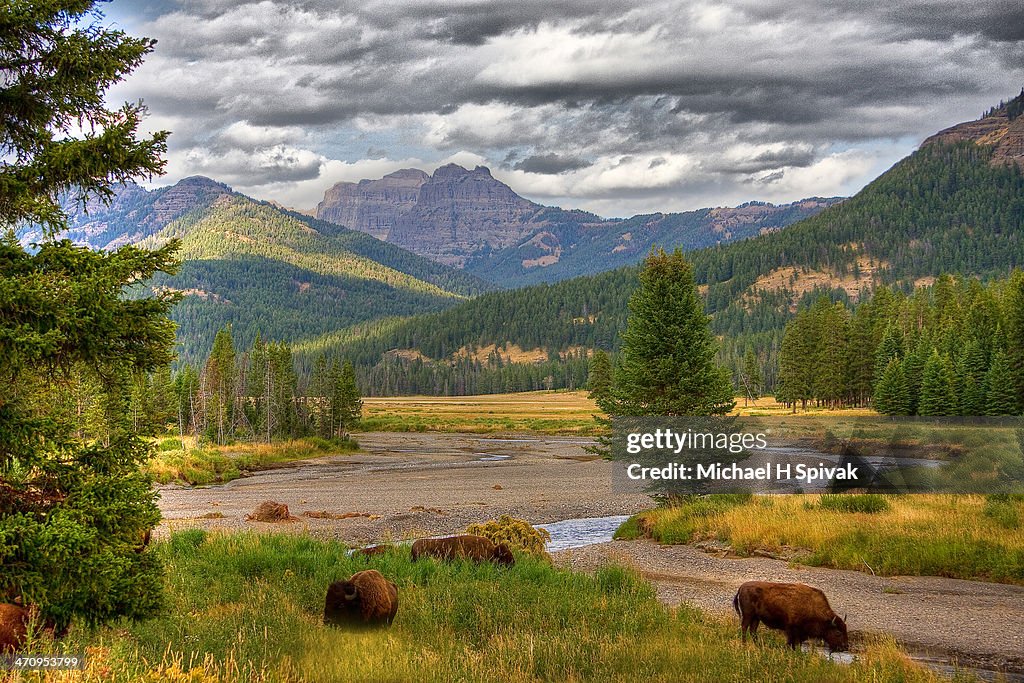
x=668 y=353
x=73 y=506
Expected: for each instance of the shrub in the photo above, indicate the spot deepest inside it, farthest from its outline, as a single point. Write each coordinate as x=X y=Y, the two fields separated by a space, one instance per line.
x=518 y=534
x=863 y=502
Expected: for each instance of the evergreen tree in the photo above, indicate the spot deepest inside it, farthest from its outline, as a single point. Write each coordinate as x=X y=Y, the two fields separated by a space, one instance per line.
x=751 y=378
x=937 y=395
x=796 y=362
x=73 y=508
x=219 y=387
x=668 y=351
x=599 y=379
x=1014 y=330
x=971 y=371
x=1000 y=397
x=891 y=394
x=346 y=402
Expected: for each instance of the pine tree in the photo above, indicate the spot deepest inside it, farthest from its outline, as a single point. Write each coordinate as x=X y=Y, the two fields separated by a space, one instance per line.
x=75 y=508
x=891 y=396
x=346 y=402
x=751 y=378
x=971 y=371
x=797 y=362
x=1014 y=330
x=668 y=351
x=599 y=378
x=219 y=387
x=937 y=397
x=1000 y=397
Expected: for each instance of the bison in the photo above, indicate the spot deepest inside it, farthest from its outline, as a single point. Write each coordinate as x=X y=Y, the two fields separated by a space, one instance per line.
x=800 y=611
x=366 y=599
x=468 y=546
x=14 y=621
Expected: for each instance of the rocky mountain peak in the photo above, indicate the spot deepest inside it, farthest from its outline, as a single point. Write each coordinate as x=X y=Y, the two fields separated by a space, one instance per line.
x=447 y=216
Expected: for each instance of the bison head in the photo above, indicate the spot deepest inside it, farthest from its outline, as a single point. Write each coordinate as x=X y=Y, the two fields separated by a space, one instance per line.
x=835 y=635
x=503 y=555
x=343 y=602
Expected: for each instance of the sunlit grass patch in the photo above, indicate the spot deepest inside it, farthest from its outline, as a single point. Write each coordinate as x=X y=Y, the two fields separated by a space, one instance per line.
x=200 y=464
x=962 y=536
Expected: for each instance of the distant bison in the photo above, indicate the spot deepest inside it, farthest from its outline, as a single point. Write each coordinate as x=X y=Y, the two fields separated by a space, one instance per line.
x=800 y=611
x=371 y=550
x=366 y=599
x=14 y=620
x=468 y=546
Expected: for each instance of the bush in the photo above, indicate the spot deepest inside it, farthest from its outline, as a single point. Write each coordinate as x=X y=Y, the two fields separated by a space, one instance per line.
x=518 y=534
x=1004 y=510
x=870 y=503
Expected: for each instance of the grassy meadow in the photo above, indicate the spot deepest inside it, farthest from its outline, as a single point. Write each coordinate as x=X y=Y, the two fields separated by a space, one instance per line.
x=961 y=536
x=201 y=464
x=541 y=412
x=247 y=607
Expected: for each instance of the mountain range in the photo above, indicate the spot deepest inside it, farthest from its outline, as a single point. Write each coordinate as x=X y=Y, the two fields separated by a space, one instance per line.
x=955 y=206
x=468 y=219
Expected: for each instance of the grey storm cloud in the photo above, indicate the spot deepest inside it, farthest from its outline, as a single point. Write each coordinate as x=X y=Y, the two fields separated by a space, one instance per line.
x=552 y=87
x=550 y=164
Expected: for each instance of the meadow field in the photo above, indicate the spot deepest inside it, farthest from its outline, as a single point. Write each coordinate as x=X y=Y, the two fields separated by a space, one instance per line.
x=540 y=412
x=198 y=464
x=247 y=607
x=960 y=536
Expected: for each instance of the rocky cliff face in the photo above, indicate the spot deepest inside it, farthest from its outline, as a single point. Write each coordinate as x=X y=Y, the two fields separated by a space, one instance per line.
x=1003 y=129
x=373 y=206
x=461 y=212
x=448 y=216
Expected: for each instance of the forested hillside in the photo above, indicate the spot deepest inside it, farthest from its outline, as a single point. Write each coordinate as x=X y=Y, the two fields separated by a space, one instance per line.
x=574 y=243
x=265 y=270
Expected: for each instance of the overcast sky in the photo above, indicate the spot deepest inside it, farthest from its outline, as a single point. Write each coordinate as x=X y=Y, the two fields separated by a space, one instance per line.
x=616 y=107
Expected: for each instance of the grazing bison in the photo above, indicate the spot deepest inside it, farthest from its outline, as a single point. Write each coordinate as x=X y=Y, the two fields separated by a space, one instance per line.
x=366 y=599
x=14 y=620
x=800 y=611
x=371 y=550
x=468 y=546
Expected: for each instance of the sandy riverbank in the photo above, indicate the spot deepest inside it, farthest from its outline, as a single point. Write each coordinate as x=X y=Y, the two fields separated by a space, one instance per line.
x=415 y=485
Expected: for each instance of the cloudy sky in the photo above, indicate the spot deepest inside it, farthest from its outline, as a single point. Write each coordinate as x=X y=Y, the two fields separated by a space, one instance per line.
x=617 y=107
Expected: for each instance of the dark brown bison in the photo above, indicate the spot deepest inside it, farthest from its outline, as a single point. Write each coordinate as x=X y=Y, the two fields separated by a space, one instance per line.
x=800 y=611
x=468 y=546
x=14 y=620
x=371 y=550
x=366 y=599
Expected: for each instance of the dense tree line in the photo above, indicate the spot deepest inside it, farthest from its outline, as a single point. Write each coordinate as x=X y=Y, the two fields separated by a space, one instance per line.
x=952 y=348
x=256 y=395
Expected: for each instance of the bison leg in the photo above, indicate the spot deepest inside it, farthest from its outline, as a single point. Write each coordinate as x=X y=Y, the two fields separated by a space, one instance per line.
x=750 y=625
x=794 y=638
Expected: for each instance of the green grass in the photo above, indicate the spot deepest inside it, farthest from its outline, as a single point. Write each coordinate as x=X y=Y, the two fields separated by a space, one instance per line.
x=961 y=536
x=248 y=607
x=202 y=465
